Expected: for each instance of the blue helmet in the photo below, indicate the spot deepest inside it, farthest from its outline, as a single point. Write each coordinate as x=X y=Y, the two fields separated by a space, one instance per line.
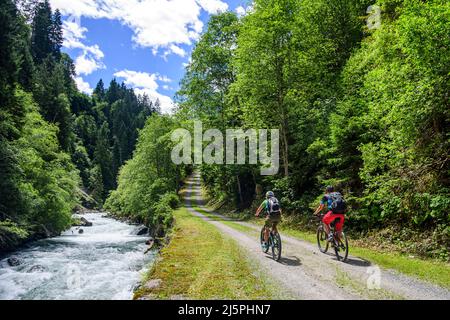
x=270 y=194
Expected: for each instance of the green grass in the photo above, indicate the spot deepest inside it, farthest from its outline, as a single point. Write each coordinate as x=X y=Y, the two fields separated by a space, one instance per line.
x=429 y=270
x=202 y=263
x=433 y=271
x=344 y=280
x=231 y=223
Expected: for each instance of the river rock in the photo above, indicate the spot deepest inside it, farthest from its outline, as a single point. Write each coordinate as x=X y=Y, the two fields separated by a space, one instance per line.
x=141 y=231
x=81 y=231
x=14 y=261
x=82 y=222
x=136 y=287
x=85 y=223
x=37 y=268
x=148 y=297
x=153 y=284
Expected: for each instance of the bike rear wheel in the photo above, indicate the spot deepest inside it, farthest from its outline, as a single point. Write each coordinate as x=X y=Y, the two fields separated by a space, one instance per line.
x=341 y=247
x=322 y=239
x=265 y=248
x=276 y=247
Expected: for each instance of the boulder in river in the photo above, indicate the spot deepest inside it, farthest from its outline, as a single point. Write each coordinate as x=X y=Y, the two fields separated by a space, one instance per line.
x=82 y=222
x=14 y=261
x=85 y=223
x=81 y=231
x=37 y=268
x=141 y=231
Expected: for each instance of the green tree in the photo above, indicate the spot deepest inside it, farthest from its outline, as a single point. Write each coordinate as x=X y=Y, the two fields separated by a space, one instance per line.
x=96 y=184
x=204 y=96
x=85 y=127
x=405 y=171
x=206 y=84
x=103 y=158
x=12 y=113
x=99 y=91
x=265 y=64
x=41 y=40
x=83 y=163
x=51 y=94
x=326 y=33
x=147 y=180
x=49 y=179
x=56 y=34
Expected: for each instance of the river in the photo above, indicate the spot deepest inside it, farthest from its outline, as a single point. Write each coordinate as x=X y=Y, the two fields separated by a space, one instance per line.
x=105 y=262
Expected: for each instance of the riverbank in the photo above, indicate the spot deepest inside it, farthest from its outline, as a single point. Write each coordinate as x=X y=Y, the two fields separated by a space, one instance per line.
x=14 y=236
x=202 y=263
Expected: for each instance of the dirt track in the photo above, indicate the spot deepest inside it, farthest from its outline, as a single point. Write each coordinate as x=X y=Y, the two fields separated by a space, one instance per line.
x=305 y=273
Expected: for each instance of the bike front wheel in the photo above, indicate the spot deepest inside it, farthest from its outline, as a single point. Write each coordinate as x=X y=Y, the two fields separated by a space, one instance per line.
x=322 y=239
x=276 y=247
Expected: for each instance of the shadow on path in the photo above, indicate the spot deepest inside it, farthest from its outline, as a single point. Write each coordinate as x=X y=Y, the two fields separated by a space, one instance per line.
x=291 y=261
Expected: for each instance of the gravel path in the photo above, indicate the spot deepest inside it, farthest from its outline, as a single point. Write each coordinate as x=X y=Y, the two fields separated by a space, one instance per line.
x=305 y=273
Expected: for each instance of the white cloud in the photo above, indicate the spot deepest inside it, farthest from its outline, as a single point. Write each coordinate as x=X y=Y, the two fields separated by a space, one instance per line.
x=213 y=6
x=83 y=86
x=241 y=11
x=164 y=79
x=188 y=63
x=86 y=65
x=73 y=30
x=90 y=58
x=78 y=8
x=138 y=79
x=177 y=50
x=157 y=24
x=73 y=34
x=147 y=83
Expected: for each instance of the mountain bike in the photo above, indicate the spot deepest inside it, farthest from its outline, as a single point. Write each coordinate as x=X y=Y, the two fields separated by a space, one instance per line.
x=274 y=244
x=339 y=244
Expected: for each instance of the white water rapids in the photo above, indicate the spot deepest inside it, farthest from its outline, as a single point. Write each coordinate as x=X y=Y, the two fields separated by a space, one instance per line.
x=105 y=262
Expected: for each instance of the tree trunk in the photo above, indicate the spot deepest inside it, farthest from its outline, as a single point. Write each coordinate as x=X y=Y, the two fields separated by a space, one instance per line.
x=285 y=151
x=241 y=199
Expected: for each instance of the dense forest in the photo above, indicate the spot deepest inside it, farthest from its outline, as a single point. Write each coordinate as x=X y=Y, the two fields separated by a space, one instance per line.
x=364 y=108
x=59 y=148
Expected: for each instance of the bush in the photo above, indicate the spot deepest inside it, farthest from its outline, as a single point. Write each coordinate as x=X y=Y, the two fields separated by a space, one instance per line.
x=11 y=235
x=171 y=199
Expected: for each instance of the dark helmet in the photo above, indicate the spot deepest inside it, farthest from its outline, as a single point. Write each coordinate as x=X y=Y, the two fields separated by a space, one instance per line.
x=270 y=194
x=330 y=189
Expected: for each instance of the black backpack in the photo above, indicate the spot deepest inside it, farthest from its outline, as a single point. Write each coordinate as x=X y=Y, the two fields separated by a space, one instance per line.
x=338 y=204
x=274 y=206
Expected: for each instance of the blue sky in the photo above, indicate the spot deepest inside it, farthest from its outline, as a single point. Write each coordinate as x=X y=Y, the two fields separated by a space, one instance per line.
x=145 y=43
